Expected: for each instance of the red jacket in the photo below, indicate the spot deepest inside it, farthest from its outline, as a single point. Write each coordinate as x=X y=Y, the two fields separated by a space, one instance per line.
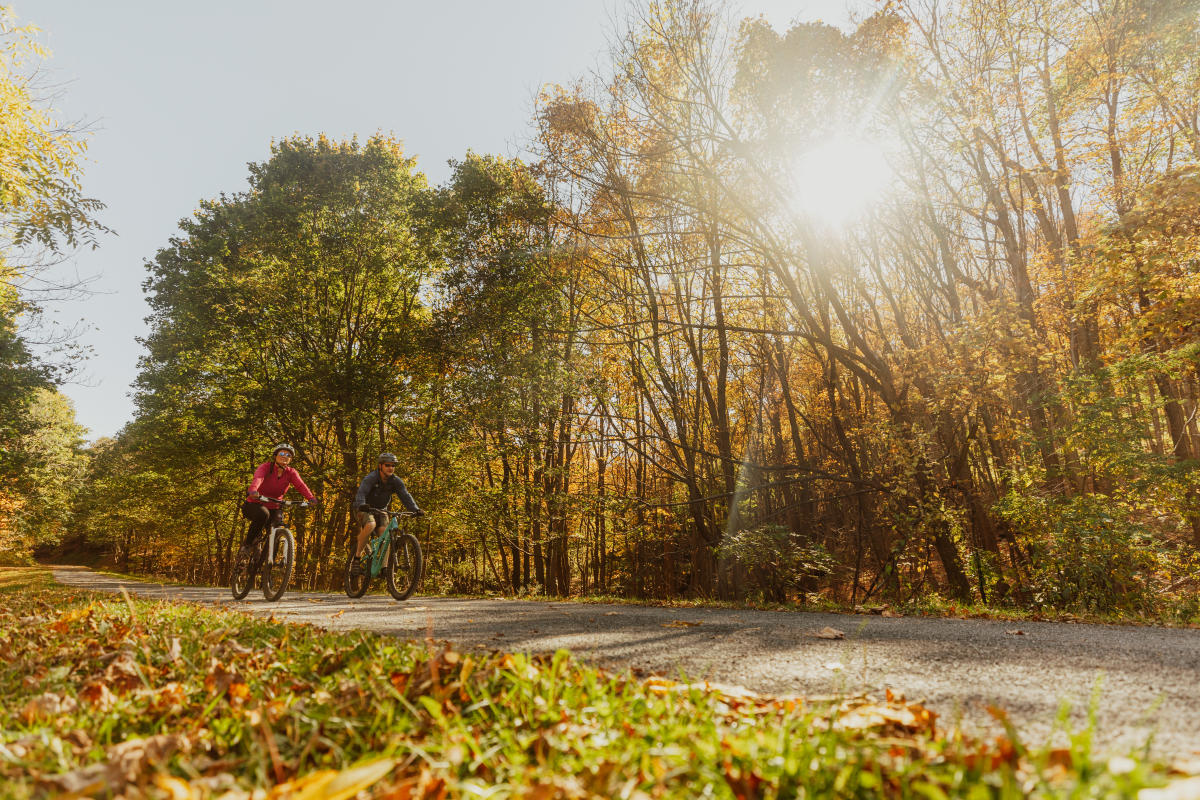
x=267 y=482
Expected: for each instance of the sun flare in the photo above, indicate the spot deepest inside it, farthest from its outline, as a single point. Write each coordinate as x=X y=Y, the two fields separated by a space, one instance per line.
x=835 y=183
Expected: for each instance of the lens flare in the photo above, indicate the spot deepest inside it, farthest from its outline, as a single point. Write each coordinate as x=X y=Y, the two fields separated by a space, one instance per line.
x=835 y=183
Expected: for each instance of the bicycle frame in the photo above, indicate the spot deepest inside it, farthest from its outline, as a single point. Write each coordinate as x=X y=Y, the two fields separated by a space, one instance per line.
x=270 y=533
x=380 y=545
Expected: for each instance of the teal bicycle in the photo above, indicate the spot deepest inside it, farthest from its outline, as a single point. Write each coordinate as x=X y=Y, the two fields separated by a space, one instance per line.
x=394 y=554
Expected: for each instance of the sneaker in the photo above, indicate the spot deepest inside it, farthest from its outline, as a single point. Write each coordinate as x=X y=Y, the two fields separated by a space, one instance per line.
x=356 y=566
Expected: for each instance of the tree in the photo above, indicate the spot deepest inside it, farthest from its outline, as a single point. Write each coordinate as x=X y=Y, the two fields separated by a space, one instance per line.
x=43 y=213
x=293 y=312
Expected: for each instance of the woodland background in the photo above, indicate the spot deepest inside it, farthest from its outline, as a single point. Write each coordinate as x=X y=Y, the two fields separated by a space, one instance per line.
x=635 y=366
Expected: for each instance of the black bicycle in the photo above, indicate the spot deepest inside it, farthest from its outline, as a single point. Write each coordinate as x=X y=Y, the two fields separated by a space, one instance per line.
x=274 y=554
x=397 y=555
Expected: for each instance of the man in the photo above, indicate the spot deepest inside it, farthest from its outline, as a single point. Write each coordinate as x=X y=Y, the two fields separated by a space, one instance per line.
x=374 y=494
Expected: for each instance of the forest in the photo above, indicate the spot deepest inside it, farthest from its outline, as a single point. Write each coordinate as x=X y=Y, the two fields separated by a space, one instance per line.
x=782 y=316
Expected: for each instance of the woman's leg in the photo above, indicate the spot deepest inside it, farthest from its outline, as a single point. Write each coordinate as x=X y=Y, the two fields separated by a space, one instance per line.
x=259 y=515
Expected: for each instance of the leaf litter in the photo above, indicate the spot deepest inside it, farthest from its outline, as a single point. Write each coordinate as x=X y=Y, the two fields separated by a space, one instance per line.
x=189 y=703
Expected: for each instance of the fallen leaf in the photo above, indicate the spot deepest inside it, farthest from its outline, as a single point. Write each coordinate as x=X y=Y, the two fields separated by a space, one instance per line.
x=126 y=763
x=1121 y=765
x=96 y=693
x=219 y=679
x=611 y=613
x=123 y=673
x=881 y=716
x=1015 y=632
x=47 y=705
x=79 y=739
x=680 y=623
x=175 y=788
x=887 y=612
x=1186 y=789
x=83 y=781
x=174 y=650
x=329 y=785
x=171 y=697
x=829 y=633
x=338 y=614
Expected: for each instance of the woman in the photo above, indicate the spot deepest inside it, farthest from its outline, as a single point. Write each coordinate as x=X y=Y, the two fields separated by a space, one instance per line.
x=271 y=480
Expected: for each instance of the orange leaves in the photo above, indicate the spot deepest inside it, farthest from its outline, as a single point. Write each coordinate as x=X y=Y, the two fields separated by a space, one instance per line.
x=47 y=706
x=65 y=622
x=124 y=673
x=221 y=680
x=425 y=785
x=97 y=694
x=125 y=764
x=888 y=718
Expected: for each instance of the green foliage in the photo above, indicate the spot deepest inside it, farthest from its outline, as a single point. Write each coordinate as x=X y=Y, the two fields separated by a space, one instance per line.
x=777 y=562
x=293 y=311
x=1087 y=553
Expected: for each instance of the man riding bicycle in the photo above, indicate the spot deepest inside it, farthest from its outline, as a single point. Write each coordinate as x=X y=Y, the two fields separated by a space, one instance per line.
x=374 y=494
x=271 y=480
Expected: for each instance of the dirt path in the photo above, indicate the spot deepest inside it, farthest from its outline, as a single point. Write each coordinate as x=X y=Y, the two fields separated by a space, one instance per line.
x=1148 y=678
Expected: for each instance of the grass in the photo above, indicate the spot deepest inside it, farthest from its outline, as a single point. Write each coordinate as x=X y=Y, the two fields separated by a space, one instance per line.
x=171 y=700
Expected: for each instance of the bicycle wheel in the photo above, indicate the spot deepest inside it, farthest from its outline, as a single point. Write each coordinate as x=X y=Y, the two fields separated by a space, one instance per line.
x=241 y=576
x=404 y=566
x=277 y=573
x=356 y=585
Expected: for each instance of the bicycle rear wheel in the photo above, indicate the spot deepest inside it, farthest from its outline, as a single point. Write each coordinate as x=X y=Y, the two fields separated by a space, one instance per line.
x=241 y=576
x=404 y=566
x=278 y=572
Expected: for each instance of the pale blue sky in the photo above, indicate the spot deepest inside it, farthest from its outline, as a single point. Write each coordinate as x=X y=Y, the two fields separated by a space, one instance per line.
x=182 y=96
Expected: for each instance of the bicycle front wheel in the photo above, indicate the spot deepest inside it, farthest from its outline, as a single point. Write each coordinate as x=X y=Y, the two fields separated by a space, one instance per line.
x=355 y=584
x=276 y=573
x=404 y=566
x=241 y=575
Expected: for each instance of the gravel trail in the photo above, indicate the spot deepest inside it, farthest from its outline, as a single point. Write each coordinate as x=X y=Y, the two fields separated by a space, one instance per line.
x=1148 y=678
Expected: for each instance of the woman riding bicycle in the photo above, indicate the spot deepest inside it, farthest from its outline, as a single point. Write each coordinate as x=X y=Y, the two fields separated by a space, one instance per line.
x=374 y=494
x=271 y=480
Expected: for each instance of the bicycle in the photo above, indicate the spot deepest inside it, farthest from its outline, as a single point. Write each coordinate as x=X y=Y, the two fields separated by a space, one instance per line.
x=273 y=553
x=397 y=555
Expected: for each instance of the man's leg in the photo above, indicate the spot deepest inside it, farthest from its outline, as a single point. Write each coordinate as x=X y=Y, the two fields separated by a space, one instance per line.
x=367 y=524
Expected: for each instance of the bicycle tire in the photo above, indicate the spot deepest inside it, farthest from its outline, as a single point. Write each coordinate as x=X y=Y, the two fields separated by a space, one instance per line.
x=402 y=578
x=355 y=585
x=241 y=577
x=277 y=575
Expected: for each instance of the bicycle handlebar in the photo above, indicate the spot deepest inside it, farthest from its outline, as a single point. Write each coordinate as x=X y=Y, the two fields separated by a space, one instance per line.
x=393 y=513
x=285 y=503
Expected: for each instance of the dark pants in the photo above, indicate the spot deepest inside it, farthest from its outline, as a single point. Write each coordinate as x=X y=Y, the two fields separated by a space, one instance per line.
x=259 y=516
